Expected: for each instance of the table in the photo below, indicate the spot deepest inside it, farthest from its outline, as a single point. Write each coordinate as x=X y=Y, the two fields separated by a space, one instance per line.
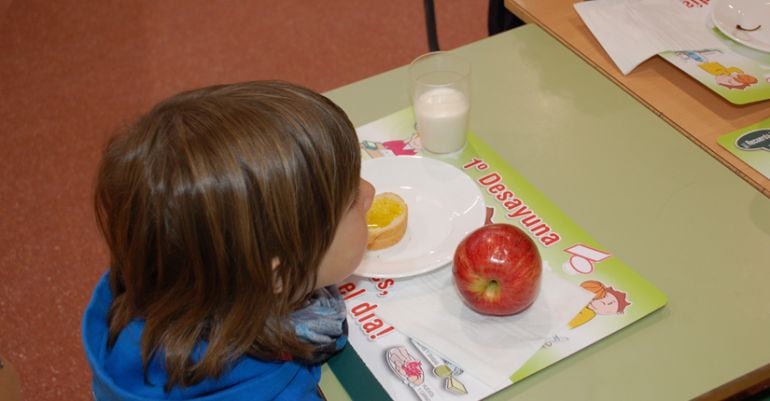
x=670 y=211
x=694 y=110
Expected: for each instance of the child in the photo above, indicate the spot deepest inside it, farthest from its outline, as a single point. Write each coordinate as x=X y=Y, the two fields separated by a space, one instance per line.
x=229 y=213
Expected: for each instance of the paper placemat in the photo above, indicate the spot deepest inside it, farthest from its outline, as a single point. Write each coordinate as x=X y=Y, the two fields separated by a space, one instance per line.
x=408 y=369
x=751 y=144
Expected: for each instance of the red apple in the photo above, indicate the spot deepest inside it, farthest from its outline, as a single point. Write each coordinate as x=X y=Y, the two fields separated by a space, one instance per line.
x=497 y=270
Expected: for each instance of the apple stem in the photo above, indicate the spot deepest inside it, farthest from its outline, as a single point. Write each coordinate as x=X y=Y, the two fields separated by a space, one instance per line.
x=492 y=290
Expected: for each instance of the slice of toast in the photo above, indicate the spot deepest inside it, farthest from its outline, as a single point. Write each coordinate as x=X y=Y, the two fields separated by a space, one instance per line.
x=386 y=220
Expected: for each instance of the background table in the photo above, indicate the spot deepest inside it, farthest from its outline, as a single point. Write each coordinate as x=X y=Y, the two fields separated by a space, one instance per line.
x=670 y=211
x=694 y=110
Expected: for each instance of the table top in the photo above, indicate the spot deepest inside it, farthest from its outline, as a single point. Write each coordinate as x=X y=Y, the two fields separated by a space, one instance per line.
x=667 y=209
x=694 y=110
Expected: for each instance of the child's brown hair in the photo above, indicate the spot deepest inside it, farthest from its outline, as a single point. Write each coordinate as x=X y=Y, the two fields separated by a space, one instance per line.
x=217 y=207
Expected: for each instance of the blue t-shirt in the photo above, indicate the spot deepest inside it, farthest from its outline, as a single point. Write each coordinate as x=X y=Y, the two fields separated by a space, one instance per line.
x=118 y=373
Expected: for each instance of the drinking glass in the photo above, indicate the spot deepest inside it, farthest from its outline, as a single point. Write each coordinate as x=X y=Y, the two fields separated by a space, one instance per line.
x=440 y=93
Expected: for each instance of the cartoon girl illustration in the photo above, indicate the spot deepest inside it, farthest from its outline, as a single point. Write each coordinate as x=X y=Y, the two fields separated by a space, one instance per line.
x=397 y=147
x=606 y=301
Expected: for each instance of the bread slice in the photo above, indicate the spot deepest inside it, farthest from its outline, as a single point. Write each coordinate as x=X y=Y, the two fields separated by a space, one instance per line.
x=386 y=220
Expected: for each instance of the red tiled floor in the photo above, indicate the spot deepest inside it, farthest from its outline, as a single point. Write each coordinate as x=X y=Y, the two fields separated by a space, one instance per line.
x=73 y=71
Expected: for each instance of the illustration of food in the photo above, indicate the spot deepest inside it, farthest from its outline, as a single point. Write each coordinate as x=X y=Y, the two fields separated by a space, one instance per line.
x=405 y=365
x=386 y=220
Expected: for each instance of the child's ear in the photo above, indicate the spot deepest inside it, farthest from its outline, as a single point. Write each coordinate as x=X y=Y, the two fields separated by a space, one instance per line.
x=277 y=282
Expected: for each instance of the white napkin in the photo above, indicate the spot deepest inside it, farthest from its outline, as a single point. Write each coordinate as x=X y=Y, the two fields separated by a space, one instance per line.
x=429 y=309
x=631 y=31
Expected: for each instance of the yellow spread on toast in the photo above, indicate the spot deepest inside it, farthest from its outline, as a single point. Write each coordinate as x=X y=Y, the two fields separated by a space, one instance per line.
x=382 y=212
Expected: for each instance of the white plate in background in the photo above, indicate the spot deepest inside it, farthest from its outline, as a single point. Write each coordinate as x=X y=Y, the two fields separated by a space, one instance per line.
x=727 y=15
x=444 y=205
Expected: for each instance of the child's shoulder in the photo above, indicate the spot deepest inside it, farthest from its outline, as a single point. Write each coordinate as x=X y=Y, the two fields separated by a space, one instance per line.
x=120 y=367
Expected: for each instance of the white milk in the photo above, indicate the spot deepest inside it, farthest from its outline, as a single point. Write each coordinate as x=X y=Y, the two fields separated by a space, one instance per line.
x=442 y=119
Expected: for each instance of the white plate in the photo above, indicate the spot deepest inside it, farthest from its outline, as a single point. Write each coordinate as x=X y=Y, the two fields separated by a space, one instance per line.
x=444 y=206
x=727 y=15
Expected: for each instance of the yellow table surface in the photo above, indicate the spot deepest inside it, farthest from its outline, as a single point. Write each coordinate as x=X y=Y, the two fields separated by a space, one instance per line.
x=674 y=214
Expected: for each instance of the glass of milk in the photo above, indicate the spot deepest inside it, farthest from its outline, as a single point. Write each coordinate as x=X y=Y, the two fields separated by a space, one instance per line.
x=440 y=84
